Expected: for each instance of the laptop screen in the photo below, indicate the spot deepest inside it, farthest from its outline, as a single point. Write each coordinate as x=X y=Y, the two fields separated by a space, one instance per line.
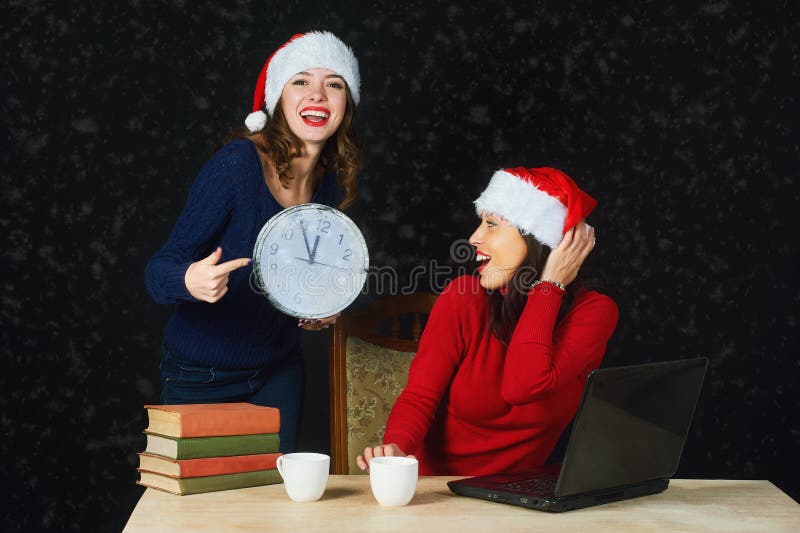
x=631 y=425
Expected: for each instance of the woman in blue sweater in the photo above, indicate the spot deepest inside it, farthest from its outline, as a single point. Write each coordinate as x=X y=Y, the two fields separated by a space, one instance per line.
x=225 y=342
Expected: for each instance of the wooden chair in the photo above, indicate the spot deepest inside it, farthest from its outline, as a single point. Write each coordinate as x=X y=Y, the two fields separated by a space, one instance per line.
x=370 y=352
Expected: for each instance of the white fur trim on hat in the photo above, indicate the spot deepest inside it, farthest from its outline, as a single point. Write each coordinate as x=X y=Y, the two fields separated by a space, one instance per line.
x=527 y=207
x=312 y=50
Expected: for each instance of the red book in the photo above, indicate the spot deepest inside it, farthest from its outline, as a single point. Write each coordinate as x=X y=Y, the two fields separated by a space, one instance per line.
x=212 y=419
x=208 y=466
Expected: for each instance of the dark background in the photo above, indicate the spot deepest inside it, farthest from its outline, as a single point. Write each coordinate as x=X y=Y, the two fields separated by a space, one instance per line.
x=680 y=121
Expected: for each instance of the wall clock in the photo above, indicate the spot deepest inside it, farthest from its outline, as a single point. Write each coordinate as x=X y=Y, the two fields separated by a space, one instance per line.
x=310 y=260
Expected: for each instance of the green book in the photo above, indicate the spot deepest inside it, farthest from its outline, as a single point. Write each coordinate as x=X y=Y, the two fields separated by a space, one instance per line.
x=196 y=485
x=197 y=447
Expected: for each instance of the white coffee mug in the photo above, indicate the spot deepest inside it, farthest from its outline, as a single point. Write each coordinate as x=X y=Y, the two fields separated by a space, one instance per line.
x=393 y=479
x=305 y=475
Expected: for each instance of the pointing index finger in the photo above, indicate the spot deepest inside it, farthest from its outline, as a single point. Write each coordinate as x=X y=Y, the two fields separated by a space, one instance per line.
x=233 y=264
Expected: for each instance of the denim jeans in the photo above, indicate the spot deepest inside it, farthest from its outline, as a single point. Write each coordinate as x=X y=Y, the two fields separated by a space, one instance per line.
x=279 y=385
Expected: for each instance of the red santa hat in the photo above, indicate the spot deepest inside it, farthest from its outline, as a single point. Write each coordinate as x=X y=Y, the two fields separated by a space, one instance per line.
x=303 y=51
x=543 y=202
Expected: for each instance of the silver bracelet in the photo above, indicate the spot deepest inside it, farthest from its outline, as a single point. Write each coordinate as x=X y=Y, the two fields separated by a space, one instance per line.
x=557 y=284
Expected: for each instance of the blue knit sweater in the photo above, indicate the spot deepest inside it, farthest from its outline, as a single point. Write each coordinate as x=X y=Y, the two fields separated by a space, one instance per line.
x=228 y=204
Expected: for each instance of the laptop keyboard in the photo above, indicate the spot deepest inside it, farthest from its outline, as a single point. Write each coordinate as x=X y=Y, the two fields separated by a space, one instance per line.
x=542 y=485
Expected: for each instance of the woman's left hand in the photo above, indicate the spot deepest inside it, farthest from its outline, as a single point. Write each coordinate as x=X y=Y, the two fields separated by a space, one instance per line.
x=317 y=324
x=564 y=262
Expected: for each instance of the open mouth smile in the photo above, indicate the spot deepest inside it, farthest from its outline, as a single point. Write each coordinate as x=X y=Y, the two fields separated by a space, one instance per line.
x=315 y=116
x=482 y=258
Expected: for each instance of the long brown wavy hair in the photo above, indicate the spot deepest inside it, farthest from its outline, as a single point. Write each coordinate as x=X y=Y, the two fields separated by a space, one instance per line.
x=504 y=311
x=342 y=153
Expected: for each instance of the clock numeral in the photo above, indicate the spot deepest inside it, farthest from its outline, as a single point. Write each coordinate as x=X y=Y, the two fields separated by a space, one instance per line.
x=341 y=236
x=323 y=225
x=297 y=299
x=347 y=253
x=273 y=248
x=288 y=234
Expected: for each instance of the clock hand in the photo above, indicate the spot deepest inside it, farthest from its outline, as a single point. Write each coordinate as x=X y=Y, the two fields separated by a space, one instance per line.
x=305 y=239
x=308 y=248
x=316 y=263
x=313 y=250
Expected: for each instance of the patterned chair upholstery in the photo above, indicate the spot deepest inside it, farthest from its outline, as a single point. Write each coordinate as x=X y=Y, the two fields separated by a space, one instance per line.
x=370 y=353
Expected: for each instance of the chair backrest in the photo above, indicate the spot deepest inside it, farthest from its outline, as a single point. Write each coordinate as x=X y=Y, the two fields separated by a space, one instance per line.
x=370 y=352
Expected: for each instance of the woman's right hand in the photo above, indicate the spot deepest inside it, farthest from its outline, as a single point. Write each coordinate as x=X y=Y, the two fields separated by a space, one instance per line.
x=567 y=258
x=207 y=281
x=384 y=450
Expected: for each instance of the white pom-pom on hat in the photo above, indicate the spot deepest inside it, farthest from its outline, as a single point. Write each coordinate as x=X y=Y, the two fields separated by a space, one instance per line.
x=256 y=121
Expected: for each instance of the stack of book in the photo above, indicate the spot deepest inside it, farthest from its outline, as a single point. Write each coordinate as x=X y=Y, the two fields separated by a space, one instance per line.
x=194 y=448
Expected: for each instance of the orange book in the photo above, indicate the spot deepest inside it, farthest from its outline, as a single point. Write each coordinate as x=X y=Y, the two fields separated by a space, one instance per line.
x=212 y=419
x=207 y=466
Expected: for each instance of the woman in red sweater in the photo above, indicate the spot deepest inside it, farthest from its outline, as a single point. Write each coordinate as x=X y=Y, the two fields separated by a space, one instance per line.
x=504 y=357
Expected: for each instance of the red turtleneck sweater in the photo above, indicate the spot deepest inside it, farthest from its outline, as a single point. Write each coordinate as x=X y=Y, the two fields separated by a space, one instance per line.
x=475 y=406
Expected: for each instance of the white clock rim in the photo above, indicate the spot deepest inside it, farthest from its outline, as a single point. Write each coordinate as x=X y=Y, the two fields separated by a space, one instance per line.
x=278 y=218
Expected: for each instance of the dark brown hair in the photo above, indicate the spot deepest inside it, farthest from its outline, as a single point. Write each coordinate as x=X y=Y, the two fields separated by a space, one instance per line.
x=504 y=311
x=342 y=152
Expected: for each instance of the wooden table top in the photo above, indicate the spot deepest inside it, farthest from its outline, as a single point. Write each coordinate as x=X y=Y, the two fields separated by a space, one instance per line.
x=348 y=505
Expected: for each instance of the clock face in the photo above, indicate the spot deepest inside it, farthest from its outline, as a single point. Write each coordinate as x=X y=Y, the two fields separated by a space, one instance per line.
x=310 y=260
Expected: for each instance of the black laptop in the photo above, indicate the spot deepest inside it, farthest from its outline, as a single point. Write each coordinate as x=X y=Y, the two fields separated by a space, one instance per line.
x=626 y=441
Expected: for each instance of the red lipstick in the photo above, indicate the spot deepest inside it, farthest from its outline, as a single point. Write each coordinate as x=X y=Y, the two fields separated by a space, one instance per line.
x=311 y=115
